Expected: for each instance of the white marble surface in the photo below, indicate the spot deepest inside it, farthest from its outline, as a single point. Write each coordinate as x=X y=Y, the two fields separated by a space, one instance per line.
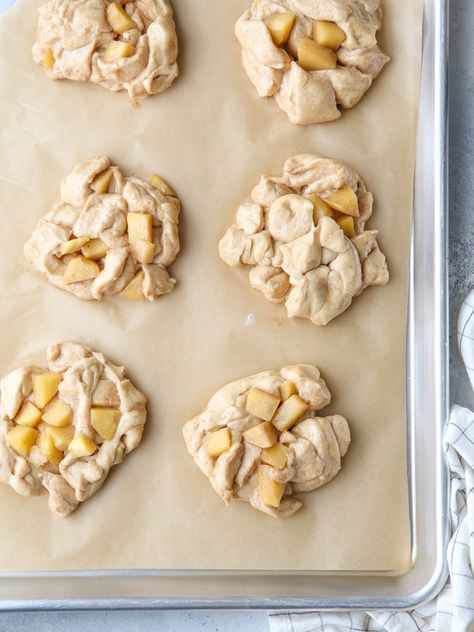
x=461 y=76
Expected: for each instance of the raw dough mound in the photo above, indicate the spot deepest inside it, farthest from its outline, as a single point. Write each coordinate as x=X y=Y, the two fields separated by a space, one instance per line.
x=315 y=57
x=110 y=234
x=131 y=48
x=247 y=457
x=62 y=429
x=303 y=251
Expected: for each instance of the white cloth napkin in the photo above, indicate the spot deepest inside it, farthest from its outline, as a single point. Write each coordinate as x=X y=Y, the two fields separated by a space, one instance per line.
x=453 y=609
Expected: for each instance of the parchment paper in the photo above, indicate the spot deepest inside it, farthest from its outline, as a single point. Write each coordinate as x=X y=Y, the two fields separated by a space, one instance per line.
x=212 y=138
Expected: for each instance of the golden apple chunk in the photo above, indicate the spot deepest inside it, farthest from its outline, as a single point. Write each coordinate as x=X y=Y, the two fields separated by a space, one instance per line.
x=58 y=413
x=82 y=446
x=143 y=251
x=95 y=249
x=158 y=183
x=289 y=412
x=105 y=421
x=48 y=59
x=105 y=394
x=217 y=442
x=45 y=387
x=346 y=222
x=29 y=415
x=328 y=34
x=118 y=50
x=320 y=208
x=263 y=436
x=48 y=449
x=313 y=56
x=100 y=184
x=80 y=269
x=287 y=389
x=276 y=455
x=119 y=19
x=134 y=291
x=140 y=226
x=261 y=404
x=22 y=439
x=73 y=245
x=344 y=200
x=61 y=437
x=280 y=25
x=271 y=491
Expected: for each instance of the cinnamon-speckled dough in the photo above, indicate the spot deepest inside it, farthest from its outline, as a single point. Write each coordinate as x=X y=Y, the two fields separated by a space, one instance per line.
x=315 y=444
x=312 y=96
x=314 y=268
x=84 y=213
x=74 y=479
x=77 y=34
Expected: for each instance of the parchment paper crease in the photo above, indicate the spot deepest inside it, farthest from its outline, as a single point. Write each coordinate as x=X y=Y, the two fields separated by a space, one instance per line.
x=212 y=138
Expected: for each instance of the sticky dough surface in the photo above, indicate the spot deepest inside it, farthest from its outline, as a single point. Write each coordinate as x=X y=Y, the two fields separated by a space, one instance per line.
x=315 y=444
x=74 y=479
x=84 y=213
x=315 y=96
x=308 y=264
x=77 y=33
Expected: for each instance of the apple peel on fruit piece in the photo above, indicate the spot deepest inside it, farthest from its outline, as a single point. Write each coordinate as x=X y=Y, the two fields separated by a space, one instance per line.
x=247 y=458
x=63 y=427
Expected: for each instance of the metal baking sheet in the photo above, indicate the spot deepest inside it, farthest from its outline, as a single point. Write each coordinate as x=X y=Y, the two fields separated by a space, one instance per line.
x=427 y=402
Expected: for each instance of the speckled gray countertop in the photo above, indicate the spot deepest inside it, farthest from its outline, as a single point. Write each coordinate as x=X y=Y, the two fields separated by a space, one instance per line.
x=461 y=181
x=461 y=262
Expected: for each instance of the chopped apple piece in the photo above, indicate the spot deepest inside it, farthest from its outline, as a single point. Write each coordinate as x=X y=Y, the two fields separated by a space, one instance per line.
x=134 y=291
x=95 y=249
x=289 y=413
x=328 y=34
x=287 y=389
x=105 y=421
x=217 y=442
x=346 y=222
x=280 y=25
x=143 y=251
x=61 y=437
x=118 y=50
x=45 y=387
x=139 y=227
x=276 y=455
x=82 y=446
x=313 y=56
x=320 y=208
x=262 y=404
x=47 y=448
x=344 y=200
x=73 y=245
x=105 y=394
x=263 y=436
x=48 y=59
x=158 y=183
x=271 y=491
x=119 y=19
x=29 y=415
x=22 y=439
x=58 y=414
x=100 y=184
x=80 y=269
